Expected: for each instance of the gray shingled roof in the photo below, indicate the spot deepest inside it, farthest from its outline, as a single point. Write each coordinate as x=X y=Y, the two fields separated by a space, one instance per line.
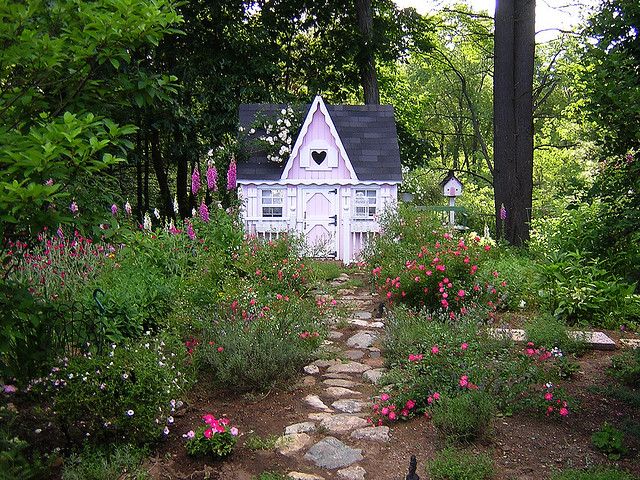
x=368 y=133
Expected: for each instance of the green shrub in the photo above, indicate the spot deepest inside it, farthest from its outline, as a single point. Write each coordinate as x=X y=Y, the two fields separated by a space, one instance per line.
x=522 y=276
x=551 y=333
x=256 y=442
x=17 y=459
x=453 y=464
x=271 y=476
x=127 y=394
x=610 y=441
x=465 y=417
x=92 y=464
x=581 y=290
x=626 y=367
x=464 y=348
x=249 y=348
x=593 y=474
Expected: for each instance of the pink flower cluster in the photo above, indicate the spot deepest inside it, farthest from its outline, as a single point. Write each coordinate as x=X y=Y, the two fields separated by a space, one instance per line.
x=554 y=405
x=465 y=383
x=214 y=426
x=305 y=335
x=386 y=408
x=541 y=353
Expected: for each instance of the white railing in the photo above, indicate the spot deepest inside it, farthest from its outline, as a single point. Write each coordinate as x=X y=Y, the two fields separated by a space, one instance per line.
x=266 y=228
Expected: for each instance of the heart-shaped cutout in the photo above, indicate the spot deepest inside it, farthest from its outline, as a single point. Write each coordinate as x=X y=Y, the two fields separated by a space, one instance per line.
x=318 y=157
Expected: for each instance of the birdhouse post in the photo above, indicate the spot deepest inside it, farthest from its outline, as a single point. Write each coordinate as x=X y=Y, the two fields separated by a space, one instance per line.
x=451 y=188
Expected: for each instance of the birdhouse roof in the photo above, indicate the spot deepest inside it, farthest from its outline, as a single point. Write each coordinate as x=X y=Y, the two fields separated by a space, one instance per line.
x=450 y=176
x=368 y=134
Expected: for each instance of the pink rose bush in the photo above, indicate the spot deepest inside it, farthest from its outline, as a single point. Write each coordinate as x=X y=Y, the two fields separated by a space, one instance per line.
x=216 y=438
x=444 y=274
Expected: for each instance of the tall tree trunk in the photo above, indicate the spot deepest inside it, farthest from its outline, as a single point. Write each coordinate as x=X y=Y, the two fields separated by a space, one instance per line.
x=513 y=116
x=146 y=172
x=365 y=57
x=139 y=155
x=182 y=174
x=161 y=175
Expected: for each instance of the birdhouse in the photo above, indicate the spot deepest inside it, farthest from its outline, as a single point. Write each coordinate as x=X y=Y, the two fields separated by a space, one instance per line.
x=451 y=186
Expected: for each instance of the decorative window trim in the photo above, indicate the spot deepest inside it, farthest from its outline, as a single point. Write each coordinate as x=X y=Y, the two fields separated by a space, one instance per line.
x=367 y=206
x=268 y=208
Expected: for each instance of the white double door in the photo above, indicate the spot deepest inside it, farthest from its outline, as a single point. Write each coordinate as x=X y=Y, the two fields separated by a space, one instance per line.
x=318 y=216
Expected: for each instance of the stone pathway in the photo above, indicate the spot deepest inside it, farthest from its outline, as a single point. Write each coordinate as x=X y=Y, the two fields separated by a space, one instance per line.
x=333 y=439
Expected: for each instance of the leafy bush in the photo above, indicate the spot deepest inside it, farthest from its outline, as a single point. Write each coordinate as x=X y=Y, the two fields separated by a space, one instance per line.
x=428 y=354
x=17 y=459
x=434 y=270
x=551 y=333
x=453 y=464
x=523 y=278
x=215 y=439
x=252 y=345
x=610 y=441
x=583 y=291
x=626 y=367
x=586 y=269
x=127 y=394
x=92 y=464
x=593 y=474
x=465 y=417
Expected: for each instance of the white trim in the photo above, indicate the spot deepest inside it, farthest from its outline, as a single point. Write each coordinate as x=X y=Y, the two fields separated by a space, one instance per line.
x=318 y=102
x=310 y=181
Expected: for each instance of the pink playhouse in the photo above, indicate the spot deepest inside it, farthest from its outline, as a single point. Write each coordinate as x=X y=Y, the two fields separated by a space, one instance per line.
x=331 y=182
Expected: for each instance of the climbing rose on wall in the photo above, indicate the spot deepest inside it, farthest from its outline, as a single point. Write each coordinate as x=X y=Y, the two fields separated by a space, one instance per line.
x=231 y=176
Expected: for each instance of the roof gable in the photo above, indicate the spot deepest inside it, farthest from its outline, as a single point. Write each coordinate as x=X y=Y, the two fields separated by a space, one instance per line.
x=366 y=136
x=318 y=104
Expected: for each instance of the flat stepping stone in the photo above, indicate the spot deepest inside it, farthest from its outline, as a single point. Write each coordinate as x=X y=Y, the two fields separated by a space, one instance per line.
x=319 y=416
x=345 y=291
x=350 y=367
x=311 y=369
x=331 y=453
x=342 y=422
x=338 y=382
x=377 y=362
x=364 y=323
x=315 y=402
x=334 y=335
x=362 y=339
x=290 y=444
x=630 y=342
x=302 y=427
x=326 y=363
x=375 y=434
x=343 y=376
x=594 y=340
x=353 y=354
x=354 y=472
x=374 y=375
x=303 y=476
x=340 y=392
x=361 y=315
x=348 y=405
